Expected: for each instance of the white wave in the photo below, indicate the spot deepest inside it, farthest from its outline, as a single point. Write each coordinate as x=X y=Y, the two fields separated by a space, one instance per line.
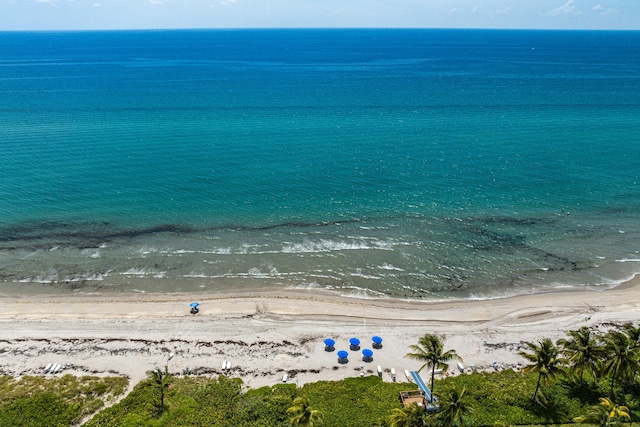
x=364 y=276
x=391 y=267
x=501 y=295
x=325 y=245
x=361 y=293
x=308 y=286
x=55 y=278
x=628 y=260
x=95 y=277
x=55 y=248
x=46 y=280
x=146 y=251
x=141 y=272
x=255 y=273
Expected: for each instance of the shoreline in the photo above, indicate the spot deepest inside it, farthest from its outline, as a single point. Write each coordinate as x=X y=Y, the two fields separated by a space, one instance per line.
x=267 y=334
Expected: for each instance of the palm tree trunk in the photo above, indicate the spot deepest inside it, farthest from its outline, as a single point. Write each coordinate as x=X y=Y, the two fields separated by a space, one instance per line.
x=581 y=376
x=433 y=373
x=613 y=377
x=535 y=393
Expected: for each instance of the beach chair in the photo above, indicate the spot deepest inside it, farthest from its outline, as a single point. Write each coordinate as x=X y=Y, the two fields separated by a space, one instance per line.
x=461 y=367
x=224 y=365
x=285 y=377
x=48 y=368
x=229 y=365
x=393 y=375
x=408 y=375
x=380 y=371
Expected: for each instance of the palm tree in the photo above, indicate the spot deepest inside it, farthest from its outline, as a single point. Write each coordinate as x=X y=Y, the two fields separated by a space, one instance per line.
x=633 y=332
x=409 y=416
x=582 y=351
x=430 y=350
x=605 y=414
x=622 y=360
x=454 y=407
x=303 y=415
x=161 y=380
x=545 y=361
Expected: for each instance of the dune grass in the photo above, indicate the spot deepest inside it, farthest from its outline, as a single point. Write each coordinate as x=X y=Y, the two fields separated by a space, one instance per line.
x=499 y=399
x=60 y=401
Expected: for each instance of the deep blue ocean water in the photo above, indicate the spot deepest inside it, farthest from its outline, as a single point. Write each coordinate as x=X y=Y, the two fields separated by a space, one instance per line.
x=401 y=163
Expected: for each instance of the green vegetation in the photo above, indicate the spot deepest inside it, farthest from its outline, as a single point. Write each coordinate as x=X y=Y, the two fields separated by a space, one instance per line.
x=38 y=401
x=189 y=401
x=303 y=415
x=569 y=380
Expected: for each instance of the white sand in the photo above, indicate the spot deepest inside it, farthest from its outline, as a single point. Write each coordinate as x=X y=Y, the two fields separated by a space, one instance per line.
x=269 y=334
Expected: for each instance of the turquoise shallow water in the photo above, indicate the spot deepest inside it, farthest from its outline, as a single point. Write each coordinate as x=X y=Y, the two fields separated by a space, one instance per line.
x=402 y=163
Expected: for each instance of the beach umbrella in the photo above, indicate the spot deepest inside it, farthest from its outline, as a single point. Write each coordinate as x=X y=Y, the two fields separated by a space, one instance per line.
x=377 y=341
x=329 y=344
x=194 y=307
x=367 y=353
x=342 y=356
x=354 y=342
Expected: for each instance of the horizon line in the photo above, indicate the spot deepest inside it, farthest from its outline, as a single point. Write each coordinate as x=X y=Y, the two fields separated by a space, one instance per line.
x=133 y=29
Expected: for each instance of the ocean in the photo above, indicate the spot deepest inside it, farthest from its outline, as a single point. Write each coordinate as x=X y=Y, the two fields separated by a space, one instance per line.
x=410 y=164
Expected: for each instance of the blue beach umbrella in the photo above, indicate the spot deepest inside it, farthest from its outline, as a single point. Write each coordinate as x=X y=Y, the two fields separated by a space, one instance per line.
x=194 y=304
x=329 y=344
x=342 y=354
x=354 y=342
x=367 y=353
x=377 y=341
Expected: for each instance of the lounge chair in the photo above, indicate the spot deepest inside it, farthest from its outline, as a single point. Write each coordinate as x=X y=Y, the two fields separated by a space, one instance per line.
x=408 y=375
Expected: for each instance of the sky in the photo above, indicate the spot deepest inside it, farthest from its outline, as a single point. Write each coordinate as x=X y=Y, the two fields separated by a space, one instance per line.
x=29 y=15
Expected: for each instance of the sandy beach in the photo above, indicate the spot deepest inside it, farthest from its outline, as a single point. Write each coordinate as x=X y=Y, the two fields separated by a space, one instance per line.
x=269 y=334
